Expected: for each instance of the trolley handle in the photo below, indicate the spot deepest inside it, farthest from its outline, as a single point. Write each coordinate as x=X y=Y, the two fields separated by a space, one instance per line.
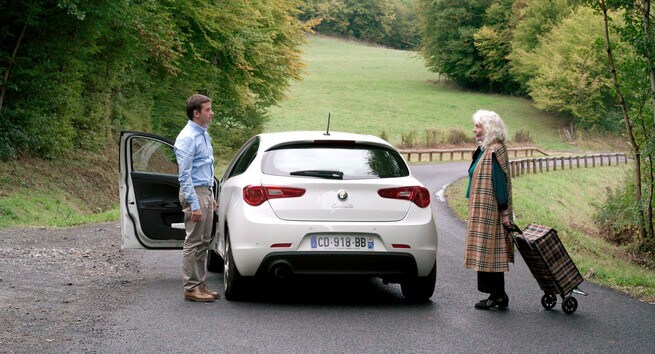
x=513 y=228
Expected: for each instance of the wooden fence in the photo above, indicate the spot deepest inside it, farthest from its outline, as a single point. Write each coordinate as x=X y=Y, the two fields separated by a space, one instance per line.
x=544 y=164
x=431 y=154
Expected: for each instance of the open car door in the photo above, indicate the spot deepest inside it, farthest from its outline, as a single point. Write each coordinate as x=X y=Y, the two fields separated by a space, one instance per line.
x=151 y=213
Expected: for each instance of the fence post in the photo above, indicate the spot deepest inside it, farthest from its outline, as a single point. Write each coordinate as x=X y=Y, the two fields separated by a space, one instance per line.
x=609 y=160
x=577 y=161
x=541 y=160
x=570 y=163
x=585 y=161
x=602 y=163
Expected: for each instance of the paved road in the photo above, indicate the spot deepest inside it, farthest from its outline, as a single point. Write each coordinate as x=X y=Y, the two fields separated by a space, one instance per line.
x=337 y=316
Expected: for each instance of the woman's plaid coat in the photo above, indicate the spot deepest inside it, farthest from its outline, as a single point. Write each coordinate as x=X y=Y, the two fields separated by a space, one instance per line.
x=488 y=247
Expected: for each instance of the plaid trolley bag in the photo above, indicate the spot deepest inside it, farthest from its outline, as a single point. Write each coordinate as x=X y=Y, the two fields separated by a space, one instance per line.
x=550 y=264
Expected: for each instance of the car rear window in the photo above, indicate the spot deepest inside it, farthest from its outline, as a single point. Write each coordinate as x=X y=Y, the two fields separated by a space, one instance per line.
x=347 y=161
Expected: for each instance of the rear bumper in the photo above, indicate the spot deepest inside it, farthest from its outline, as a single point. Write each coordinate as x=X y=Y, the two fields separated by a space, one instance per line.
x=388 y=265
x=256 y=236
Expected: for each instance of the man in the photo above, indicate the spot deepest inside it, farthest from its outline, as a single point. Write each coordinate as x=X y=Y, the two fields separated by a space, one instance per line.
x=195 y=159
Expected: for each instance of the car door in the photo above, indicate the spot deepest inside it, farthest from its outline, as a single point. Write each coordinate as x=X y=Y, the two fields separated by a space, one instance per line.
x=151 y=213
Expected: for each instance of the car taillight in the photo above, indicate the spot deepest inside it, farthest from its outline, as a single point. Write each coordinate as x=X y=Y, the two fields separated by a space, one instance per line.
x=256 y=195
x=417 y=194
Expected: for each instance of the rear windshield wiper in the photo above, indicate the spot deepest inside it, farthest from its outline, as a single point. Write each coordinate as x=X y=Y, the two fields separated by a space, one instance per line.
x=319 y=173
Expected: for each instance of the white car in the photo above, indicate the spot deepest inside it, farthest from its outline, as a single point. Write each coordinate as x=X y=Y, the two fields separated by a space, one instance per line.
x=292 y=204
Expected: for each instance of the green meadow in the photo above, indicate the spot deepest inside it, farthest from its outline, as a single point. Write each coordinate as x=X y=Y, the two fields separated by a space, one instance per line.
x=368 y=89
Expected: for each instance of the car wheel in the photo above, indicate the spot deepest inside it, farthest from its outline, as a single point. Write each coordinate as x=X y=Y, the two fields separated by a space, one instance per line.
x=420 y=289
x=231 y=277
x=214 y=262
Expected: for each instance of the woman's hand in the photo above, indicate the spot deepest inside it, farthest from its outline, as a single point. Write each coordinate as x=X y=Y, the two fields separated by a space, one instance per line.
x=504 y=218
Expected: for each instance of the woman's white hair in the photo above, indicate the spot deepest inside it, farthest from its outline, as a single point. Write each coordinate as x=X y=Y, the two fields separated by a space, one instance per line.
x=494 y=127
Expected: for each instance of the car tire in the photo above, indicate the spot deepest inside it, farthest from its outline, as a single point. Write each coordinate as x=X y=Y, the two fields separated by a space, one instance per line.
x=214 y=262
x=420 y=289
x=231 y=277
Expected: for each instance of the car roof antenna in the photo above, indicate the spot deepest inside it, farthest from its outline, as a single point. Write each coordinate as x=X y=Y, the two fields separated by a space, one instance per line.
x=327 y=132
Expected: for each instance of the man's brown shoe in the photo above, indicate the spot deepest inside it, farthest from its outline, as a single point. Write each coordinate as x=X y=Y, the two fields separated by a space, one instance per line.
x=206 y=290
x=196 y=294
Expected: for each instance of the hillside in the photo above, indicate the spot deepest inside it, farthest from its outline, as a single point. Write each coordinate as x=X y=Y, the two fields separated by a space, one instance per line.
x=368 y=89
x=365 y=89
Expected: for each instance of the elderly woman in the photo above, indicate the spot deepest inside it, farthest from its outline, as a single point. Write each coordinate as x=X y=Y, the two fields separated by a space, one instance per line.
x=489 y=249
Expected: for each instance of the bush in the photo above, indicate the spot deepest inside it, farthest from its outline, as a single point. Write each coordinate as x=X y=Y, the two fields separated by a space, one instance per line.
x=433 y=137
x=522 y=136
x=408 y=139
x=457 y=136
x=617 y=218
x=384 y=135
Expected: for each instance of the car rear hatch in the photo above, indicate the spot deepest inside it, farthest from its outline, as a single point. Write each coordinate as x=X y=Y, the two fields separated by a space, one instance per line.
x=329 y=200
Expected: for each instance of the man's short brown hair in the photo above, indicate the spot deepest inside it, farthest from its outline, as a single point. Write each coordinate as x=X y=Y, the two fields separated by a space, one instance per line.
x=194 y=103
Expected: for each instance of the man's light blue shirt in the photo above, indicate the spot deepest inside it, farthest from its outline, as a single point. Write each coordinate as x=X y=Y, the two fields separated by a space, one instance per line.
x=195 y=158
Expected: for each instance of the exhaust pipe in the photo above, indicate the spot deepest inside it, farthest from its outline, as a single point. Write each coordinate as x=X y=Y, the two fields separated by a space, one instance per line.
x=281 y=270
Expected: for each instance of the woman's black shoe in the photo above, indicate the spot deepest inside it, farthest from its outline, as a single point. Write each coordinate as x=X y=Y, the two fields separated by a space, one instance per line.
x=486 y=304
x=503 y=302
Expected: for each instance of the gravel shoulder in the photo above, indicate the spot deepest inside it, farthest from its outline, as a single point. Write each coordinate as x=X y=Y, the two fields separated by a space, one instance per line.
x=59 y=285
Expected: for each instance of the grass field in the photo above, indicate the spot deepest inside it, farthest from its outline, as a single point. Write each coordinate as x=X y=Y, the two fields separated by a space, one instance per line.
x=367 y=89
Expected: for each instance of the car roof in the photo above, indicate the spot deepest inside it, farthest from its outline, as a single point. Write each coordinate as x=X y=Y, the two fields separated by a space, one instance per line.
x=273 y=139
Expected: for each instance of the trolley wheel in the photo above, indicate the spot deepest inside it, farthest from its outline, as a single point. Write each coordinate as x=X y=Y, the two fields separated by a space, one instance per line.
x=569 y=305
x=548 y=301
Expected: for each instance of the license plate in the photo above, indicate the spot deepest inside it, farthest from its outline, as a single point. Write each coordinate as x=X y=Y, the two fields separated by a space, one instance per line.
x=332 y=242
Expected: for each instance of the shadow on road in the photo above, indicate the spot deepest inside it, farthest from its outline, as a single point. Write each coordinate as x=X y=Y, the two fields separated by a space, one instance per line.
x=327 y=291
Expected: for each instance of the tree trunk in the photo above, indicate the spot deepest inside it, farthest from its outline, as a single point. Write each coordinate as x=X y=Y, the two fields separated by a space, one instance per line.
x=628 y=124
x=649 y=57
x=645 y=11
x=11 y=62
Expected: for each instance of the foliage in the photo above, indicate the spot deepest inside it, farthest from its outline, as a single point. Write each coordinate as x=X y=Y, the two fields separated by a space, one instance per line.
x=631 y=79
x=570 y=75
x=617 y=217
x=384 y=135
x=522 y=136
x=433 y=137
x=533 y=19
x=493 y=41
x=457 y=136
x=409 y=139
x=386 y=22
x=448 y=45
x=84 y=70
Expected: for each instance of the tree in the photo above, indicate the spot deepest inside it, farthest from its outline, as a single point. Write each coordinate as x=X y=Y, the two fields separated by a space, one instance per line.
x=533 y=20
x=75 y=72
x=493 y=41
x=376 y=21
x=447 y=44
x=637 y=78
x=568 y=72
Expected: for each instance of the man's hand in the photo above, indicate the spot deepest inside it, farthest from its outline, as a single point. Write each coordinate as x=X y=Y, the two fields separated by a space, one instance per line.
x=215 y=205
x=196 y=215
